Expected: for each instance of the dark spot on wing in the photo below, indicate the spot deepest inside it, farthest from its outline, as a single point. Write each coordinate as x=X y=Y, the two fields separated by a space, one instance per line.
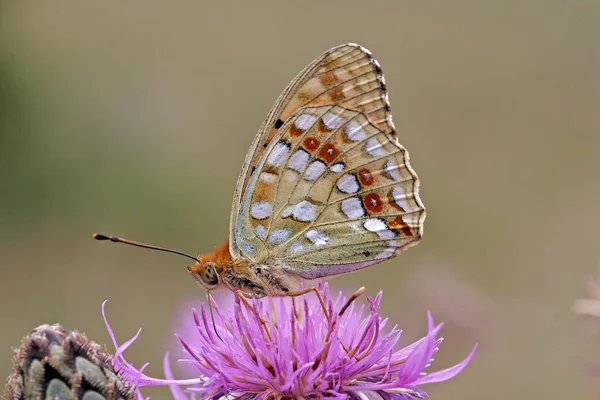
x=373 y=203
x=365 y=177
x=329 y=152
x=311 y=143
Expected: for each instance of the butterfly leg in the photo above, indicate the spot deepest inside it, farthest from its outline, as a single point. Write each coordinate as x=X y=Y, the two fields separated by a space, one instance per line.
x=245 y=295
x=300 y=292
x=212 y=315
x=294 y=293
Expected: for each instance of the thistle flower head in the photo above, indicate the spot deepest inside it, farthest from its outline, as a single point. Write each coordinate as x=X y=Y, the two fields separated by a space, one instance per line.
x=282 y=349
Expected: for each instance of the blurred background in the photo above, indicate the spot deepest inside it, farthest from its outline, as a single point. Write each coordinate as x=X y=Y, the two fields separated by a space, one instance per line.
x=133 y=118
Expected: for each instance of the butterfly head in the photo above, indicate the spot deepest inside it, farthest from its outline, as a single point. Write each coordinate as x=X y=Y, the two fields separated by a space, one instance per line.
x=208 y=268
x=205 y=272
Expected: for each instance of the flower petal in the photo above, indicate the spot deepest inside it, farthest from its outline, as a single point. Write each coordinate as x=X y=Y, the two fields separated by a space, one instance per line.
x=448 y=373
x=176 y=391
x=418 y=359
x=129 y=372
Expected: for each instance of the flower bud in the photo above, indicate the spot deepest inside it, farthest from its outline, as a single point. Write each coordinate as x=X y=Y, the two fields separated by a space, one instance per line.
x=53 y=363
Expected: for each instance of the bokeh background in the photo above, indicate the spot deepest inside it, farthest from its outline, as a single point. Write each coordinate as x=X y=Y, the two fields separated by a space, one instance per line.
x=133 y=118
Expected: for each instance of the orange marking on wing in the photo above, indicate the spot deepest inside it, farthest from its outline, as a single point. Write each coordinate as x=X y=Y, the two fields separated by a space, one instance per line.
x=330 y=62
x=328 y=153
x=311 y=143
x=337 y=94
x=398 y=224
x=391 y=201
x=322 y=128
x=373 y=203
x=271 y=170
x=328 y=79
x=264 y=191
x=304 y=96
x=271 y=135
x=295 y=131
x=365 y=177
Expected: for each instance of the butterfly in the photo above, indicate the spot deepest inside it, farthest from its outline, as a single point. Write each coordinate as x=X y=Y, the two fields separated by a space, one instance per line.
x=325 y=189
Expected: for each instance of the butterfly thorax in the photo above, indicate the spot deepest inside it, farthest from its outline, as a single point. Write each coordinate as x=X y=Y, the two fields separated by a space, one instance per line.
x=253 y=278
x=259 y=279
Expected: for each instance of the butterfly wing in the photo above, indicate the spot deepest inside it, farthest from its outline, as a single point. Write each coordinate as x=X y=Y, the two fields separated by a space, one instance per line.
x=326 y=188
x=347 y=75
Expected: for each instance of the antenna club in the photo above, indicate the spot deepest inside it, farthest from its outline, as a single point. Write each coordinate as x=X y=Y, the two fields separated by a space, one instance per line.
x=99 y=236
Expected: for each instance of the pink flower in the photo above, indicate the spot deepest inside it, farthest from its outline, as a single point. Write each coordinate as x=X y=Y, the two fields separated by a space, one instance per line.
x=266 y=349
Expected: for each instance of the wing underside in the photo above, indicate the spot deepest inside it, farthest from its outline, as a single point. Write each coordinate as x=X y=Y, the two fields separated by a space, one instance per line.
x=326 y=188
x=332 y=194
x=346 y=75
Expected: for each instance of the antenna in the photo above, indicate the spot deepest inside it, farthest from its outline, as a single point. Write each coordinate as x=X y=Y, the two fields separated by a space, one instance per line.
x=116 y=239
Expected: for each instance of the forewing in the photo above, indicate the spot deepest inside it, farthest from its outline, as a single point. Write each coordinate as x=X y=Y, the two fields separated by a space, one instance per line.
x=347 y=76
x=332 y=193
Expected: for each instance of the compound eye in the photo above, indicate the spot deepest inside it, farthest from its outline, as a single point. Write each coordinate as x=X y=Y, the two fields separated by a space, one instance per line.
x=210 y=276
